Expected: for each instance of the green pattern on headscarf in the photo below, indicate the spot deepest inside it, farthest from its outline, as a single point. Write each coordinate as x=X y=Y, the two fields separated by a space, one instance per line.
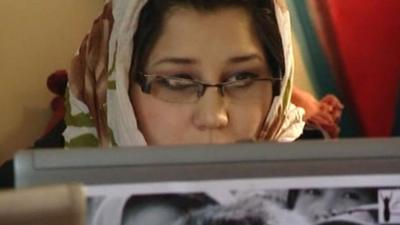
x=112 y=85
x=79 y=120
x=87 y=140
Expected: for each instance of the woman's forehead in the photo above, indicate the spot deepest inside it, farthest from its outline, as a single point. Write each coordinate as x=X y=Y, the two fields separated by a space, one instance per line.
x=189 y=32
x=188 y=16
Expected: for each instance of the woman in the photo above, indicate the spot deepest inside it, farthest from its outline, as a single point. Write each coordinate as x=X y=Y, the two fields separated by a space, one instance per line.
x=184 y=72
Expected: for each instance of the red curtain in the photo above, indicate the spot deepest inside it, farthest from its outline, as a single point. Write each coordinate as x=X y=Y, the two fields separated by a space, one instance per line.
x=366 y=35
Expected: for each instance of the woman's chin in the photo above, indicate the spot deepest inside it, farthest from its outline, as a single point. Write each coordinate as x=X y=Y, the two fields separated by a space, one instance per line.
x=204 y=141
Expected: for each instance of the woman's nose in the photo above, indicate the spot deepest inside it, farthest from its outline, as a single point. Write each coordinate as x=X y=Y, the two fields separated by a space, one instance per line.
x=210 y=111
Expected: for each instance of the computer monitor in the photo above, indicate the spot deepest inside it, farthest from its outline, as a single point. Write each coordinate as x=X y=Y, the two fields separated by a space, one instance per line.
x=360 y=176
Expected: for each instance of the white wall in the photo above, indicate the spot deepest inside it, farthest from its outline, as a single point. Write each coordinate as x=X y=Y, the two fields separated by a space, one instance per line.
x=36 y=38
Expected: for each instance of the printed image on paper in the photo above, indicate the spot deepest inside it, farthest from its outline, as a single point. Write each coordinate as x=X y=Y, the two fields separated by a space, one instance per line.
x=242 y=202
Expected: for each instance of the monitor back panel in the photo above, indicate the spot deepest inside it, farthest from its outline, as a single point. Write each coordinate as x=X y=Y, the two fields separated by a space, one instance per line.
x=208 y=162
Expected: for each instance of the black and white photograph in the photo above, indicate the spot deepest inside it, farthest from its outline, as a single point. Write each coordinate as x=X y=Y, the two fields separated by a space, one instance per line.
x=244 y=202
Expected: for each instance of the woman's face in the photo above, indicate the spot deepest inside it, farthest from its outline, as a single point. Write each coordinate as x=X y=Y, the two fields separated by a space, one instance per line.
x=211 y=47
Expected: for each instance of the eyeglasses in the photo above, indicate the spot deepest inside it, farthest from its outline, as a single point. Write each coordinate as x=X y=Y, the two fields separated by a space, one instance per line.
x=176 y=89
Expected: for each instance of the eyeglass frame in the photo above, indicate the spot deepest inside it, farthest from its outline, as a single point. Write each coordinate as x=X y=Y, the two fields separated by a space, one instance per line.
x=141 y=79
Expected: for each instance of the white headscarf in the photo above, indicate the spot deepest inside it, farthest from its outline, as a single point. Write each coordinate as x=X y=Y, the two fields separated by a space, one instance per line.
x=99 y=110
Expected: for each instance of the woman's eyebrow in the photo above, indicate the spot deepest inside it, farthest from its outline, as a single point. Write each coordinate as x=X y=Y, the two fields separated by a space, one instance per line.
x=245 y=58
x=175 y=60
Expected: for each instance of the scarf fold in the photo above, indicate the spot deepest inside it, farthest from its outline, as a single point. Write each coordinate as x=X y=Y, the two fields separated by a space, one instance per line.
x=99 y=112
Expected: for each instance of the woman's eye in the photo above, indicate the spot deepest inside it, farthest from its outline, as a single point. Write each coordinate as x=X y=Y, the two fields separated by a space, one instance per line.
x=175 y=83
x=242 y=80
x=181 y=75
x=242 y=76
